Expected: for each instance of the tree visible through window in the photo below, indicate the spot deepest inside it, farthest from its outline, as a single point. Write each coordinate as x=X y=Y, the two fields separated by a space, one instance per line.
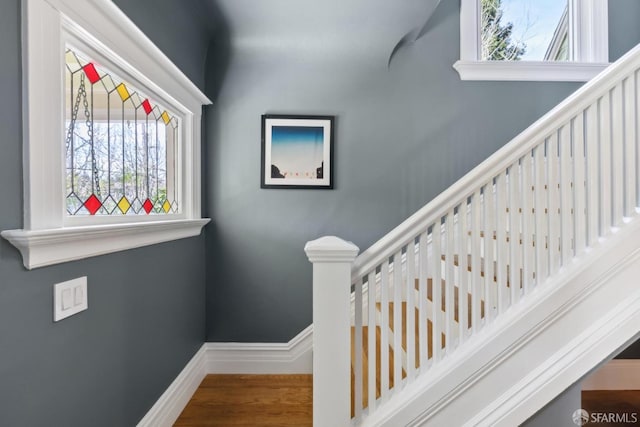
x=120 y=146
x=526 y=30
x=496 y=42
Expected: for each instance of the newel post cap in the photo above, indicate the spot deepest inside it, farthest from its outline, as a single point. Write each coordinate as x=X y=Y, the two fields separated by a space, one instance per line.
x=331 y=249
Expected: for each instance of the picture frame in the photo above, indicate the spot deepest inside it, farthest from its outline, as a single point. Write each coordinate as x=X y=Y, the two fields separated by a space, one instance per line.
x=297 y=151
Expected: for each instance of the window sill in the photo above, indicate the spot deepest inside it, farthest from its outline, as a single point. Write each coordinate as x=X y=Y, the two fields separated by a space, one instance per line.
x=40 y=248
x=528 y=71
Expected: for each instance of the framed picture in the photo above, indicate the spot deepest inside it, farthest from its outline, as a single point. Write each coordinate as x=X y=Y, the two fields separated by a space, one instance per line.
x=297 y=151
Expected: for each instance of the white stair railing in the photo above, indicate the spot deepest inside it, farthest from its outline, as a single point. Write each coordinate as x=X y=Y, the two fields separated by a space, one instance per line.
x=535 y=206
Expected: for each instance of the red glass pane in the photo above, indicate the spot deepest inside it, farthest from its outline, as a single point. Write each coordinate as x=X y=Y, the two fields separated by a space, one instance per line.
x=147 y=206
x=91 y=72
x=147 y=106
x=92 y=204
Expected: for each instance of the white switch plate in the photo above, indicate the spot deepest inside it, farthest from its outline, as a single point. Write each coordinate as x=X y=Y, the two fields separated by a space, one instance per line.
x=69 y=298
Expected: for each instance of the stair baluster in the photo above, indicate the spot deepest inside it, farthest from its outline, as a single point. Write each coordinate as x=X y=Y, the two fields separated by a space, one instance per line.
x=630 y=148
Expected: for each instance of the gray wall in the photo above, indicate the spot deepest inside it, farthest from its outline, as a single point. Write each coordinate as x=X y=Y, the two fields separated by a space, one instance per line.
x=146 y=316
x=558 y=412
x=404 y=134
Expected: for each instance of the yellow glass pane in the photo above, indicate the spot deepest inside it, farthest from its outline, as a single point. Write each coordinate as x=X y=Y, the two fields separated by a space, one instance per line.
x=166 y=118
x=123 y=92
x=124 y=205
x=166 y=206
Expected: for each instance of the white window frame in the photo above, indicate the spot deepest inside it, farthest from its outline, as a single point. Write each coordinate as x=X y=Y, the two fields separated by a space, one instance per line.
x=588 y=27
x=49 y=235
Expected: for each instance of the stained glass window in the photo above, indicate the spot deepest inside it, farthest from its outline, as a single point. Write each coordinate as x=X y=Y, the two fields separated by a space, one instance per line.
x=121 y=146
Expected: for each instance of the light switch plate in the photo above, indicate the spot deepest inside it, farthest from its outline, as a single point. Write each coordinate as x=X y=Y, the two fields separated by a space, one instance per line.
x=69 y=298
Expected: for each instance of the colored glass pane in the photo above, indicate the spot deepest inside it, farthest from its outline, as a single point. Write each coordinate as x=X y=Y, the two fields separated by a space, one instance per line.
x=166 y=118
x=166 y=206
x=124 y=205
x=147 y=206
x=92 y=204
x=147 y=106
x=91 y=72
x=123 y=92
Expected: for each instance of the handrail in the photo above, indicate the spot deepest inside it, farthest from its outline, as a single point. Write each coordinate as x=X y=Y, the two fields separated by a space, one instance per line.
x=501 y=159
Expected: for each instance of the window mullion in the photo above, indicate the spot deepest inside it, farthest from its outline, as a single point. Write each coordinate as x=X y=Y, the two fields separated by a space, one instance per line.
x=576 y=27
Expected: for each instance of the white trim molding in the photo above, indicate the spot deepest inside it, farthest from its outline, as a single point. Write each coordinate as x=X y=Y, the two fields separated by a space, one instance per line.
x=40 y=248
x=528 y=70
x=294 y=357
x=172 y=402
x=49 y=235
x=588 y=48
x=617 y=374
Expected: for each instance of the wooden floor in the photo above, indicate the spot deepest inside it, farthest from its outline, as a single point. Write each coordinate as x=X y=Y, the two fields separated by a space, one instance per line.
x=250 y=401
x=615 y=401
x=286 y=400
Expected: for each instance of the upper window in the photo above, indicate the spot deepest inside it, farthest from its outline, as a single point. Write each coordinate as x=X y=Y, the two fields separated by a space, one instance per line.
x=562 y=40
x=111 y=136
x=120 y=144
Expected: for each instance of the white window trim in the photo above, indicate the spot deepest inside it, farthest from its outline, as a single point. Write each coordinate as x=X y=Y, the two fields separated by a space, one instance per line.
x=48 y=236
x=589 y=29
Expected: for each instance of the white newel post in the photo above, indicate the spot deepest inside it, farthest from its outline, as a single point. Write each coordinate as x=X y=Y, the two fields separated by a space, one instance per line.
x=332 y=258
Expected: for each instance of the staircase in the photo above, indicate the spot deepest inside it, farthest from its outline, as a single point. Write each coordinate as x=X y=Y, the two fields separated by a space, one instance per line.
x=503 y=290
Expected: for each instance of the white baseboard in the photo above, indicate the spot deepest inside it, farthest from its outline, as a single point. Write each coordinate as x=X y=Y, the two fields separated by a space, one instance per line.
x=617 y=374
x=294 y=357
x=170 y=405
